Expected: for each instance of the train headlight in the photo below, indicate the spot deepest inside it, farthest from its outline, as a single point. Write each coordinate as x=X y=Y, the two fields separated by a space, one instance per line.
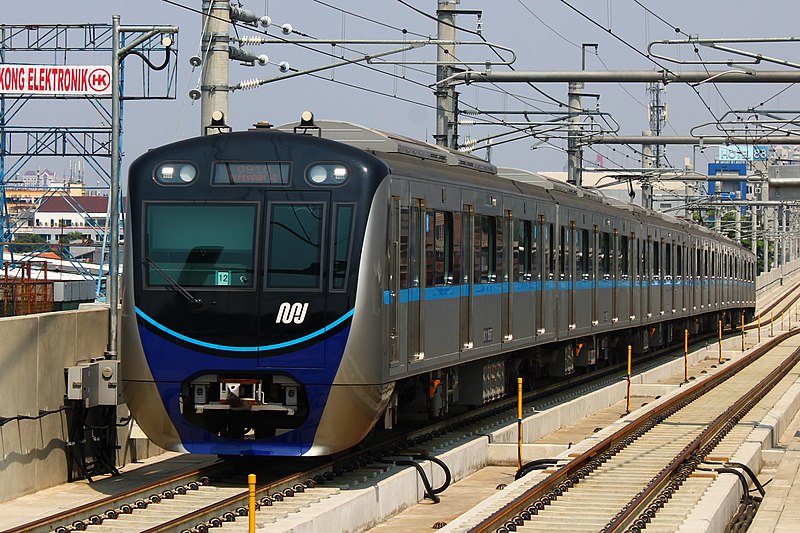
x=327 y=174
x=175 y=173
x=318 y=174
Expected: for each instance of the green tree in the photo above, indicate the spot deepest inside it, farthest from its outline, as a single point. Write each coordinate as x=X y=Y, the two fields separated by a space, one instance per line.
x=27 y=242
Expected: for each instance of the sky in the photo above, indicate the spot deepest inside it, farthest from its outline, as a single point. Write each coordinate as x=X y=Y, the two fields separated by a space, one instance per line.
x=543 y=34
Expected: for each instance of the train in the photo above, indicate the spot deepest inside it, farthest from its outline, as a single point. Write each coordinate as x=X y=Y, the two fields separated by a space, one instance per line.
x=289 y=289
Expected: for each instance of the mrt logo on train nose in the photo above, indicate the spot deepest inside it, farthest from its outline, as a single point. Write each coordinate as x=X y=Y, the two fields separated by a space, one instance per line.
x=288 y=313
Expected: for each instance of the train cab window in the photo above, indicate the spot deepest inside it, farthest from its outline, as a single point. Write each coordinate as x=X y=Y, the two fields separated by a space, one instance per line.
x=342 y=232
x=294 y=256
x=485 y=246
x=439 y=248
x=200 y=245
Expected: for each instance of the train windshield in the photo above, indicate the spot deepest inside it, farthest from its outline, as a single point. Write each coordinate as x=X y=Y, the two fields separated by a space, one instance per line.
x=201 y=245
x=294 y=257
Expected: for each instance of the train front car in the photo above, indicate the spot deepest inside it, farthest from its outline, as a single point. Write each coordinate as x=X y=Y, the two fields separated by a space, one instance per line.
x=242 y=258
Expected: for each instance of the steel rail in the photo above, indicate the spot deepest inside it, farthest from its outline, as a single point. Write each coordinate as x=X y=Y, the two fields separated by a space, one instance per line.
x=569 y=474
x=115 y=502
x=635 y=516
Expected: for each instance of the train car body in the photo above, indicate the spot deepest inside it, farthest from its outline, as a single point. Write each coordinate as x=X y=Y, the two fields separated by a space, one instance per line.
x=287 y=289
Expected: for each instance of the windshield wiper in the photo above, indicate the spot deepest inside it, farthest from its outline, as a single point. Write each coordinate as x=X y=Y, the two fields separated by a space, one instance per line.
x=174 y=285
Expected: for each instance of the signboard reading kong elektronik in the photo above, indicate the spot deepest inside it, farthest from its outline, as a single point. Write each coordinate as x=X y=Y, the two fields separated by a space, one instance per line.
x=55 y=79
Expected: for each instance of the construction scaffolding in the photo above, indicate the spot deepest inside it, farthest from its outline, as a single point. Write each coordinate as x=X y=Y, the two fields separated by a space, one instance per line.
x=25 y=289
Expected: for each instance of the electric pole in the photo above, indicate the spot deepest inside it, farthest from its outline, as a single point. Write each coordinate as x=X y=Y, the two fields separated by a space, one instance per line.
x=446 y=134
x=215 y=55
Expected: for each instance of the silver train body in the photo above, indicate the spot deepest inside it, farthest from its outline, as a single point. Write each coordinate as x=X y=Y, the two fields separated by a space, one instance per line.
x=469 y=276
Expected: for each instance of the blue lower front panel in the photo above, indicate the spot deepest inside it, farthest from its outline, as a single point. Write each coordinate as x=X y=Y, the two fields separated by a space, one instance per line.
x=171 y=364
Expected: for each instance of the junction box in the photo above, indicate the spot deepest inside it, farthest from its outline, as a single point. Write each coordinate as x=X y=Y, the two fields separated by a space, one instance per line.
x=95 y=383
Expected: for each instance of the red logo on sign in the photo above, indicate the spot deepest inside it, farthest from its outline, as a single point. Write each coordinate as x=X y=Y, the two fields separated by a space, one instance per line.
x=99 y=80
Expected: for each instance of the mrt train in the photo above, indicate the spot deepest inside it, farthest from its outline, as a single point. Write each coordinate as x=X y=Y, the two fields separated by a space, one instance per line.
x=288 y=289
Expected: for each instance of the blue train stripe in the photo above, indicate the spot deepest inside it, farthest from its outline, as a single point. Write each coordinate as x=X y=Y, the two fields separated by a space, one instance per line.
x=265 y=348
x=483 y=289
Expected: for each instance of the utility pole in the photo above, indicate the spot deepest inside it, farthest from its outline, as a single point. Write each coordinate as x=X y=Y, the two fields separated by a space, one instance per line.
x=118 y=54
x=215 y=55
x=647 y=162
x=446 y=133
x=574 y=129
x=658 y=117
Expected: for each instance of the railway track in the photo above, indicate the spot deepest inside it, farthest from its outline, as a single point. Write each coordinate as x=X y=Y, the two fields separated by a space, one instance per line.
x=200 y=500
x=656 y=463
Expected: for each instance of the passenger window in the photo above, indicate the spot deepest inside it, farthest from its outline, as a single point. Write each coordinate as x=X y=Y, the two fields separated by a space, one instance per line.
x=404 y=247
x=605 y=255
x=439 y=248
x=624 y=268
x=485 y=246
x=523 y=252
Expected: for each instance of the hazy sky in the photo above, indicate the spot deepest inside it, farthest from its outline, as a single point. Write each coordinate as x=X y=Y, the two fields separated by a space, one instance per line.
x=544 y=34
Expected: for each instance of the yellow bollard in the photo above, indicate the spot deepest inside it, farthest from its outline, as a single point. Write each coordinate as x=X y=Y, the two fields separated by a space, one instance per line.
x=720 y=341
x=519 y=423
x=759 y=328
x=742 y=330
x=686 y=356
x=251 y=503
x=628 y=405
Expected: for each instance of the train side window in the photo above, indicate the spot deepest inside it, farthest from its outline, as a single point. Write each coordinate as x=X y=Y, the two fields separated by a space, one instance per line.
x=679 y=260
x=297 y=227
x=668 y=261
x=656 y=260
x=549 y=243
x=582 y=254
x=405 y=230
x=439 y=248
x=623 y=257
x=342 y=237
x=485 y=246
x=499 y=242
x=535 y=267
x=523 y=258
x=563 y=251
x=415 y=247
x=605 y=255
x=456 y=239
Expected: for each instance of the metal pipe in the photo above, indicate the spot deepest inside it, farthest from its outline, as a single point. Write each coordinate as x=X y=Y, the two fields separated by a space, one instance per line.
x=623 y=76
x=112 y=286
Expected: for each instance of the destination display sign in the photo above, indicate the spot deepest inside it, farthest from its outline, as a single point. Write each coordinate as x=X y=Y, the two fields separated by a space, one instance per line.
x=55 y=79
x=251 y=173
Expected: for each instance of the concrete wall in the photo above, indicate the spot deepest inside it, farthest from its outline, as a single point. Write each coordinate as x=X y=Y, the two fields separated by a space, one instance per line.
x=768 y=280
x=34 y=350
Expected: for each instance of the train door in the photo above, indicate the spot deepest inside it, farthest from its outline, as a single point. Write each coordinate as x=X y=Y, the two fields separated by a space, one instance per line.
x=393 y=285
x=647 y=275
x=488 y=253
x=296 y=291
x=467 y=300
x=440 y=287
x=524 y=276
x=668 y=294
x=635 y=286
x=507 y=278
x=566 y=275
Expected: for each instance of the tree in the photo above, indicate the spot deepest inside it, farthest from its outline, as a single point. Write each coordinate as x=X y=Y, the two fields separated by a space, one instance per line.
x=27 y=242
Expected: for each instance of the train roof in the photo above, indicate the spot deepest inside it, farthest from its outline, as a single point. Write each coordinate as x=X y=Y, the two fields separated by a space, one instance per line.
x=378 y=141
x=372 y=140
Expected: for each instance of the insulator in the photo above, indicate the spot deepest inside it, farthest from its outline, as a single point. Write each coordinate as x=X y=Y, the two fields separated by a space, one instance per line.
x=252 y=39
x=248 y=84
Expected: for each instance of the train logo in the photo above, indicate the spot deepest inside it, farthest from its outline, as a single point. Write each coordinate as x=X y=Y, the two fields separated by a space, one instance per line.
x=288 y=313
